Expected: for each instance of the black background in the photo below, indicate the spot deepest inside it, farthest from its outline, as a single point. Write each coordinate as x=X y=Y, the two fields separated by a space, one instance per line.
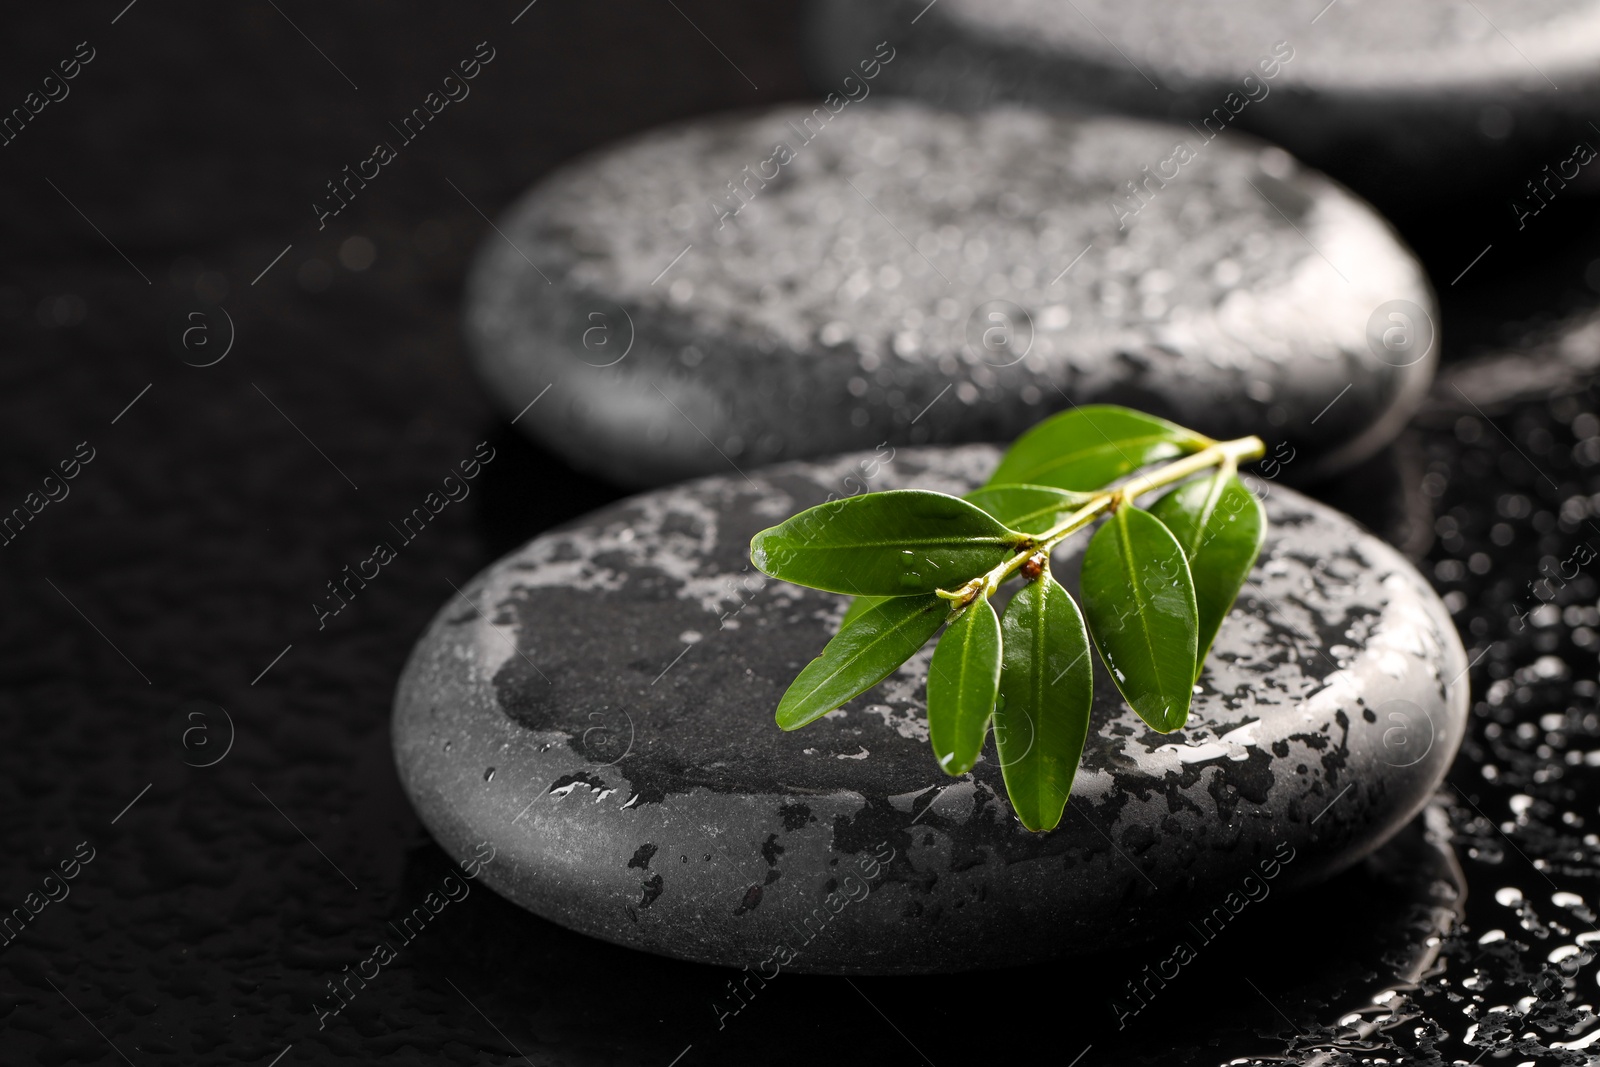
x=190 y=550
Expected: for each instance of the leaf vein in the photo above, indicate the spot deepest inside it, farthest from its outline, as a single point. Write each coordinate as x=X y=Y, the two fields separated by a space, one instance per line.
x=876 y=641
x=1138 y=593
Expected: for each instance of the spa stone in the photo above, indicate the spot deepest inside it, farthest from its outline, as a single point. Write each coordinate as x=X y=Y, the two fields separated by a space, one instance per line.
x=598 y=707
x=796 y=282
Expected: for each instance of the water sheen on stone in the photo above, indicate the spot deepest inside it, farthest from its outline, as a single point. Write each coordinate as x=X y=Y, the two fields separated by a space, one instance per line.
x=690 y=298
x=621 y=675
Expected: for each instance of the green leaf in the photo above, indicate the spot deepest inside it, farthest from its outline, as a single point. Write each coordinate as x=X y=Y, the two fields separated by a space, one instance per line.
x=963 y=678
x=859 y=606
x=899 y=543
x=1029 y=508
x=1046 y=690
x=1139 y=596
x=860 y=656
x=1221 y=525
x=1091 y=447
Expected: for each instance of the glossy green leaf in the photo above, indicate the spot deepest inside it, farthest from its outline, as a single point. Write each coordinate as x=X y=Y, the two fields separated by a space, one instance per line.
x=963 y=678
x=1221 y=525
x=1091 y=447
x=859 y=606
x=1029 y=508
x=899 y=543
x=1046 y=690
x=1139 y=597
x=860 y=656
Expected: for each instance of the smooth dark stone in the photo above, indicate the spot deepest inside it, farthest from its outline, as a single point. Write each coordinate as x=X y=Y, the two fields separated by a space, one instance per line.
x=598 y=706
x=1545 y=376
x=1557 y=359
x=914 y=275
x=1410 y=104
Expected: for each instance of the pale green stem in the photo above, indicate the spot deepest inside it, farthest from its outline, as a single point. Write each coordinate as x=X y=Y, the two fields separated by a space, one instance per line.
x=1225 y=454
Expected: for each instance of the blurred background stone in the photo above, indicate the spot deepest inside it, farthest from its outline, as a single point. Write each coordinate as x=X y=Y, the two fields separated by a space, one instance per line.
x=791 y=284
x=1408 y=103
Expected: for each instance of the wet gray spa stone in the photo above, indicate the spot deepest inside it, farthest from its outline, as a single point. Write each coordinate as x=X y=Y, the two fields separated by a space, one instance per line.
x=598 y=706
x=1408 y=102
x=911 y=275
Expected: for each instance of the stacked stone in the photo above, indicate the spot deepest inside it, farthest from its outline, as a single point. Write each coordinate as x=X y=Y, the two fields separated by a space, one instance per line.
x=800 y=282
x=600 y=710
x=886 y=283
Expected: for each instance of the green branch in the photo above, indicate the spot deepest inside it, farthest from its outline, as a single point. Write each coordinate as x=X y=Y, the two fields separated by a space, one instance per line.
x=1226 y=455
x=1156 y=586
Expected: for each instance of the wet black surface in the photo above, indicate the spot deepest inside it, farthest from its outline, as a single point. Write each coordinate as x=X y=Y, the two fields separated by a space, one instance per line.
x=197 y=539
